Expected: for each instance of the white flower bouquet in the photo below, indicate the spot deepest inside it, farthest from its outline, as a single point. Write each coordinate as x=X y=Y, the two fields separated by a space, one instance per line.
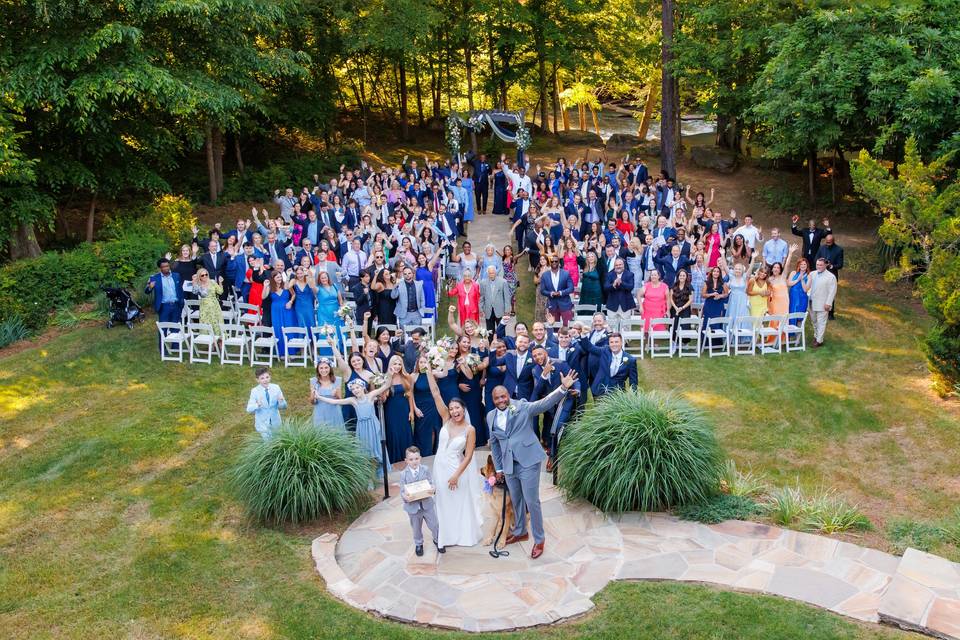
x=345 y=313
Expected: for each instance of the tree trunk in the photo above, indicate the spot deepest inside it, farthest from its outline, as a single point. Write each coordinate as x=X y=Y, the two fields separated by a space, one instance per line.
x=556 y=100
x=404 y=116
x=448 y=61
x=564 y=113
x=491 y=60
x=211 y=166
x=91 y=213
x=542 y=76
x=237 y=152
x=416 y=77
x=582 y=117
x=23 y=242
x=668 y=110
x=644 y=127
x=596 y=124
x=218 y=158
x=812 y=175
x=721 y=139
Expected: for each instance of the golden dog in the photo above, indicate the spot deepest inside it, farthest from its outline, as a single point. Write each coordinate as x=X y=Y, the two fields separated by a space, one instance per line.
x=493 y=506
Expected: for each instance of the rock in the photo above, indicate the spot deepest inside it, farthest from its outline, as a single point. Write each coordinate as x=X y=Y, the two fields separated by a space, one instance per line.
x=646 y=150
x=575 y=136
x=715 y=158
x=623 y=141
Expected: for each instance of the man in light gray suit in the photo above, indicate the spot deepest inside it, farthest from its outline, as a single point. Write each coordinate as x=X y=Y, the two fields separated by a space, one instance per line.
x=410 y=301
x=517 y=454
x=494 y=298
x=419 y=511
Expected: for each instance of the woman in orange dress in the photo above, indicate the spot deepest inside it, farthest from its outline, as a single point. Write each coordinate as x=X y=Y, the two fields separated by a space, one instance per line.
x=467 y=293
x=653 y=300
x=779 y=304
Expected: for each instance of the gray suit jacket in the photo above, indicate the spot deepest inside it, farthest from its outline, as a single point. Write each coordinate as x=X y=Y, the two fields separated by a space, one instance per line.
x=399 y=293
x=519 y=444
x=406 y=477
x=494 y=297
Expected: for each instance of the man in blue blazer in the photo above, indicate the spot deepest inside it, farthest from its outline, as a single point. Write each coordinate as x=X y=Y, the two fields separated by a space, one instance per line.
x=615 y=367
x=620 y=302
x=669 y=266
x=519 y=364
x=547 y=374
x=167 y=292
x=597 y=335
x=556 y=286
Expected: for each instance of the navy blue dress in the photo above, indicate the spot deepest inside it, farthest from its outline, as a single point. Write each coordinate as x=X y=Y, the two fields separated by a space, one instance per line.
x=500 y=193
x=713 y=308
x=426 y=430
x=349 y=413
x=474 y=402
x=495 y=376
x=397 y=423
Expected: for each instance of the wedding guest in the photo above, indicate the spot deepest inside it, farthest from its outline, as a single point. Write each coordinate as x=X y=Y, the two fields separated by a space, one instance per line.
x=681 y=298
x=620 y=302
x=266 y=401
x=167 y=292
x=823 y=289
x=467 y=294
x=495 y=298
x=833 y=254
x=326 y=383
x=616 y=368
x=556 y=285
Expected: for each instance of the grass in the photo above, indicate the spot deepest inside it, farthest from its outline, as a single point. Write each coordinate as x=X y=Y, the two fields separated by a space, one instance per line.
x=720 y=507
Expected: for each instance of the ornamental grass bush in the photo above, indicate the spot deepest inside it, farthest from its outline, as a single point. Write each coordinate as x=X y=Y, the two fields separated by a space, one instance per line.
x=640 y=451
x=301 y=473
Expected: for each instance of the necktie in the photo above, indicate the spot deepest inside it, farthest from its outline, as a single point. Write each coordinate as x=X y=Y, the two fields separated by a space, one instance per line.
x=615 y=364
x=562 y=354
x=266 y=394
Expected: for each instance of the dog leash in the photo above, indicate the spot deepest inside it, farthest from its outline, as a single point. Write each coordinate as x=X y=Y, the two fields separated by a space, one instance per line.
x=503 y=523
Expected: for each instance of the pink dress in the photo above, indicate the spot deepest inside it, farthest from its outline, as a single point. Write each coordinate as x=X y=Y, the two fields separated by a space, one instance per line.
x=468 y=302
x=570 y=264
x=654 y=304
x=715 y=251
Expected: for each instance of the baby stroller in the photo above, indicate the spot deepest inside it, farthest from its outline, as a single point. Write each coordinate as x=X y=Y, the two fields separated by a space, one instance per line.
x=122 y=307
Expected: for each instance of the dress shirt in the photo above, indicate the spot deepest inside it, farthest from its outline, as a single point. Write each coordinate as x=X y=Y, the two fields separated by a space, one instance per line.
x=500 y=421
x=775 y=251
x=615 y=362
x=353 y=261
x=168 y=289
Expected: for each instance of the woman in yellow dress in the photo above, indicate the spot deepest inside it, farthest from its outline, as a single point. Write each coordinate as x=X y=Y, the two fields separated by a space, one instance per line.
x=758 y=292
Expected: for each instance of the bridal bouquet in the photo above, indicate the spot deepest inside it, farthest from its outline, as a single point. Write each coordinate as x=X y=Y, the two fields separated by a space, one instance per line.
x=377 y=380
x=447 y=343
x=345 y=313
x=436 y=356
x=474 y=361
x=483 y=332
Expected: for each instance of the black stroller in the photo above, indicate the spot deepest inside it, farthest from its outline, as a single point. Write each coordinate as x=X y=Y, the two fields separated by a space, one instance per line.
x=122 y=307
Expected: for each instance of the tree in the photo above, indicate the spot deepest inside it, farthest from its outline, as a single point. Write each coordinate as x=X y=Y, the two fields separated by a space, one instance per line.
x=921 y=208
x=668 y=94
x=21 y=205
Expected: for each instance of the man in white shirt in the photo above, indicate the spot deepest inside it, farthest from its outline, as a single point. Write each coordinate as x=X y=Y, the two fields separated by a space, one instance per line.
x=353 y=261
x=823 y=289
x=519 y=178
x=751 y=234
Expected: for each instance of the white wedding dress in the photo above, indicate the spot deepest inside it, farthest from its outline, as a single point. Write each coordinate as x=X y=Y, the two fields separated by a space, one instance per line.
x=458 y=511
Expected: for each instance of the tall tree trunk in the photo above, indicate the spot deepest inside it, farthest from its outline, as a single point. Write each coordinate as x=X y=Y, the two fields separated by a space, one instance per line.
x=468 y=60
x=218 y=157
x=582 y=117
x=23 y=242
x=91 y=214
x=449 y=51
x=644 y=127
x=564 y=112
x=491 y=60
x=402 y=82
x=542 y=75
x=721 y=137
x=812 y=175
x=237 y=152
x=678 y=144
x=556 y=100
x=211 y=166
x=668 y=110
x=416 y=77
x=596 y=124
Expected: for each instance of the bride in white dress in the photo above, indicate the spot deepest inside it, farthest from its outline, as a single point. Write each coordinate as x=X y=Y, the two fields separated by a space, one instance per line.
x=455 y=474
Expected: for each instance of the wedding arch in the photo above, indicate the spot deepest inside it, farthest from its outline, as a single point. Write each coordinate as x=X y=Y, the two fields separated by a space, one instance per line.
x=477 y=121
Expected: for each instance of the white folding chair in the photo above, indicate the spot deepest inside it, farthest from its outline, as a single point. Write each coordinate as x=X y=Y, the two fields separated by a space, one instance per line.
x=768 y=333
x=321 y=344
x=249 y=314
x=794 y=335
x=657 y=337
x=191 y=311
x=295 y=339
x=688 y=337
x=744 y=336
x=233 y=346
x=203 y=342
x=716 y=337
x=173 y=341
x=263 y=345
x=585 y=311
x=633 y=337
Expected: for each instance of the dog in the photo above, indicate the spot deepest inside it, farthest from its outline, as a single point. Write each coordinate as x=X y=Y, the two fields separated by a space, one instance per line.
x=493 y=495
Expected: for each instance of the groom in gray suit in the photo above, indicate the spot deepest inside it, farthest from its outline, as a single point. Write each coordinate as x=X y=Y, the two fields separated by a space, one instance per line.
x=517 y=454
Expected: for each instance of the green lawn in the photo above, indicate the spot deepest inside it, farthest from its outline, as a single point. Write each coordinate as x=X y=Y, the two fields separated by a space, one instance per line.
x=116 y=514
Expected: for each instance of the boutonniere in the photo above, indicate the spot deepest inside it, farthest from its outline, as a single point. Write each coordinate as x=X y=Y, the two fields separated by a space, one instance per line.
x=513 y=409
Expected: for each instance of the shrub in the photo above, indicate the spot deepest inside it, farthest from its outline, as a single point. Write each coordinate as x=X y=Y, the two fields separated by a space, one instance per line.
x=640 y=450
x=829 y=513
x=739 y=483
x=173 y=215
x=786 y=506
x=720 y=507
x=910 y=533
x=12 y=329
x=301 y=473
x=296 y=172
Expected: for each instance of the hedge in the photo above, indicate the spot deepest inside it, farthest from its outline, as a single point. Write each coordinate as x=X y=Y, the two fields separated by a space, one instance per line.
x=32 y=289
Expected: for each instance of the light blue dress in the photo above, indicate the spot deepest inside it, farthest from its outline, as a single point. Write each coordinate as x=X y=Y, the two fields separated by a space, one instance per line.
x=326 y=414
x=738 y=305
x=635 y=266
x=368 y=432
x=468 y=205
x=327 y=306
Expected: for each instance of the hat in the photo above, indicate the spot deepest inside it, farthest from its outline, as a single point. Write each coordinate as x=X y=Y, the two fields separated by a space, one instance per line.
x=419 y=331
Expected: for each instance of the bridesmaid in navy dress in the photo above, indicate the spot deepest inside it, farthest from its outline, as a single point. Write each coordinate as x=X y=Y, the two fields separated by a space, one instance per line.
x=398 y=410
x=500 y=191
x=495 y=376
x=427 y=423
x=715 y=293
x=469 y=390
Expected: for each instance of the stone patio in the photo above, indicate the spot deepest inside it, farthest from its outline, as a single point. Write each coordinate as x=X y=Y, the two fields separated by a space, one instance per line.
x=373 y=568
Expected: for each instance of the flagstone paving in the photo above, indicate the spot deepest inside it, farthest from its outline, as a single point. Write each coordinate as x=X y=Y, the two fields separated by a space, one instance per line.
x=373 y=567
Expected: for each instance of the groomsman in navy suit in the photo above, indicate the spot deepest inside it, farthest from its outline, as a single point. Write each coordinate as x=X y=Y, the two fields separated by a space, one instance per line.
x=519 y=364
x=615 y=368
x=556 y=286
x=547 y=371
x=568 y=351
x=598 y=337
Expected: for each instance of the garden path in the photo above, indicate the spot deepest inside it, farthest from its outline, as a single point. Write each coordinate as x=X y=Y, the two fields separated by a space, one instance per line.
x=373 y=567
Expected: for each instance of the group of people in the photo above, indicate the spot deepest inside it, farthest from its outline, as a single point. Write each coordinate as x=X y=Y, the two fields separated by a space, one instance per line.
x=392 y=242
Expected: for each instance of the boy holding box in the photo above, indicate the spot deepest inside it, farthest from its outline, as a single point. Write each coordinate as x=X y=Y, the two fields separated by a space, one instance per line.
x=416 y=489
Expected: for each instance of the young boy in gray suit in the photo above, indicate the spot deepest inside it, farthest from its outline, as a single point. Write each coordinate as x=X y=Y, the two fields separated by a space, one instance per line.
x=419 y=511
